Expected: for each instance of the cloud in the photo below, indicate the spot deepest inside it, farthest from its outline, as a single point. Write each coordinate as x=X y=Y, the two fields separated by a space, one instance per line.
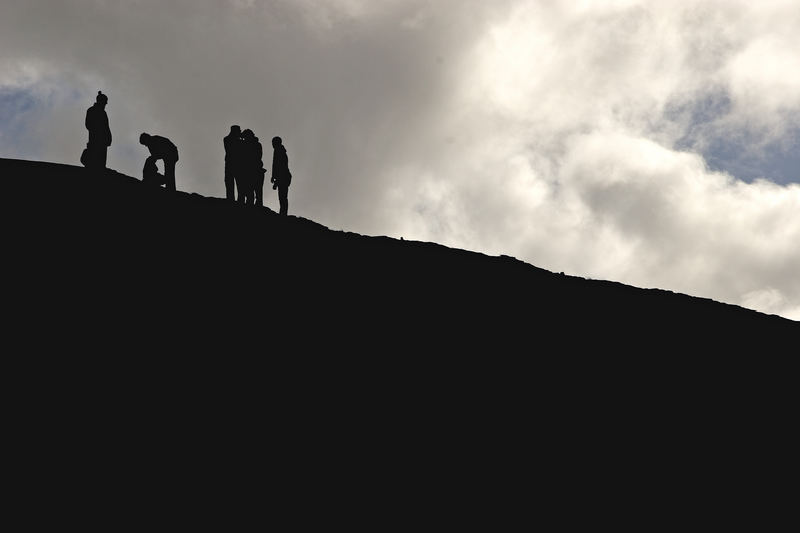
x=611 y=139
x=595 y=126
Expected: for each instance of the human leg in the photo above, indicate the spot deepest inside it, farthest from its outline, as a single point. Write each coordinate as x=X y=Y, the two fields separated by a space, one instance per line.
x=248 y=199
x=283 y=197
x=92 y=156
x=241 y=189
x=229 y=183
x=259 y=189
x=169 y=173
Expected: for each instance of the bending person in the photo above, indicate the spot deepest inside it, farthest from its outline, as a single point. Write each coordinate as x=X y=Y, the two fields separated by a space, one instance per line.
x=150 y=173
x=162 y=148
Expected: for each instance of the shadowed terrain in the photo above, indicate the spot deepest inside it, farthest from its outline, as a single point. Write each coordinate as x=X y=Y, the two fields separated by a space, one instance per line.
x=197 y=270
x=174 y=326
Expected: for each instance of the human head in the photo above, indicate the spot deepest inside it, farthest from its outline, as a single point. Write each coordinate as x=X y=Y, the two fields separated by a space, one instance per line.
x=101 y=98
x=236 y=129
x=144 y=138
x=248 y=134
x=276 y=141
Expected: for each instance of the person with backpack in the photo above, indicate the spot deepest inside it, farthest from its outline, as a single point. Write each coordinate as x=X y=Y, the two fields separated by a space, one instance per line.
x=281 y=176
x=95 y=154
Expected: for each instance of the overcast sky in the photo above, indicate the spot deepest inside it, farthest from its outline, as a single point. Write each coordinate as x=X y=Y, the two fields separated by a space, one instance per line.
x=656 y=143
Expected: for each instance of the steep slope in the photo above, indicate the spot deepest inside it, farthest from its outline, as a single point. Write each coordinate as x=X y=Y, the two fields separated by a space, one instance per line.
x=206 y=267
x=183 y=337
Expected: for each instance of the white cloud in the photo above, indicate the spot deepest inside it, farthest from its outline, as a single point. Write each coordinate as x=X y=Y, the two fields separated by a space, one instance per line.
x=558 y=132
x=771 y=301
x=575 y=152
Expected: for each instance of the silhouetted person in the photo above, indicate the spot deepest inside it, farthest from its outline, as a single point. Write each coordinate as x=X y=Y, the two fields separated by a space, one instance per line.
x=260 y=171
x=281 y=177
x=94 y=156
x=253 y=166
x=150 y=173
x=244 y=182
x=233 y=160
x=162 y=148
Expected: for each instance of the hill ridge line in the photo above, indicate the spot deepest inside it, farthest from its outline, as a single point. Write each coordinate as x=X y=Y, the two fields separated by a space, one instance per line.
x=425 y=258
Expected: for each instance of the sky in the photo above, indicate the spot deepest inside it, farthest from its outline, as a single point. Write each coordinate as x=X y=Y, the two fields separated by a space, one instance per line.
x=642 y=141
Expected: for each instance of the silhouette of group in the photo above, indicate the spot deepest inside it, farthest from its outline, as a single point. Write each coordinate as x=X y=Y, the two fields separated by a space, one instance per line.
x=244 y=168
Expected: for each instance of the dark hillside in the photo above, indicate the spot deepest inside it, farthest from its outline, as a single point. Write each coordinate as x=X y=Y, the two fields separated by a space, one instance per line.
x=199 y=271
x=184 y=340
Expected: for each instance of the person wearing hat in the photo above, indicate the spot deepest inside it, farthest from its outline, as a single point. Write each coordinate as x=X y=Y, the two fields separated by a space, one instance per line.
x=99 y=134
x=162 y=148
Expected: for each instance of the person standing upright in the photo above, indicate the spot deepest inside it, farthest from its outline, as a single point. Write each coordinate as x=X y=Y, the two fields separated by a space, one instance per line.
x=281 y=176
x=246 y=181
x=257 y=154
x=233 y=163
x=94 y=156
x=252 y=167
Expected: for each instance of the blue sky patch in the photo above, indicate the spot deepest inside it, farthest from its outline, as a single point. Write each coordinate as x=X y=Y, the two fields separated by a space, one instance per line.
x=777 y=161
x=19 y=107
x=743 y=154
